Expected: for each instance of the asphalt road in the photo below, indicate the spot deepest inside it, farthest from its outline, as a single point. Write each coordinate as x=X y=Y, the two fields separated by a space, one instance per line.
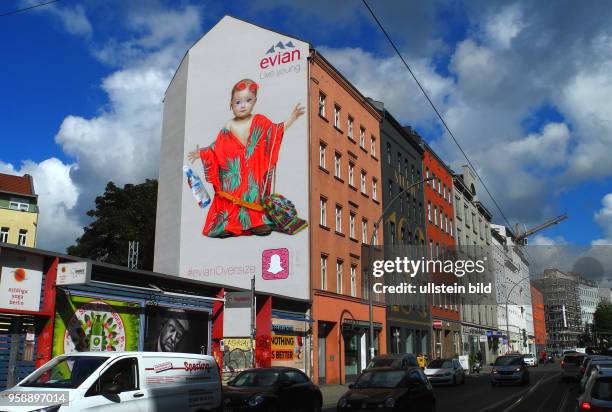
x=545 y=393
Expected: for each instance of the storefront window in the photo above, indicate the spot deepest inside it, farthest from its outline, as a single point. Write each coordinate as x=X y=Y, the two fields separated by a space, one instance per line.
x=409 y=342
x=351 y=354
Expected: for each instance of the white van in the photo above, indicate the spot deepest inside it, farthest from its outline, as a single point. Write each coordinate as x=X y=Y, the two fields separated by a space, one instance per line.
x=119 y=381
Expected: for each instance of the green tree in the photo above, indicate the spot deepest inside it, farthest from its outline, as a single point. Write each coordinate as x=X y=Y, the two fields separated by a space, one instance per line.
x=602 y=321
x=121 y=215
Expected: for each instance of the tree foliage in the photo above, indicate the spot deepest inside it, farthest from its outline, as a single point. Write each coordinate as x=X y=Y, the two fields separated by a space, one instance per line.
x=602 y=319
x=121 y=215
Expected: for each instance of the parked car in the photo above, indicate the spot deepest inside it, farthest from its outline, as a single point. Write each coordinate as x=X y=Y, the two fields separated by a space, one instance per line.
x=271 y=389
x=447 y=371
x=509 y=369
x=124 y=381
x=530 y=359
x=570 y=365
x=597 y=395
x=389 y=389
x=591 y=364
x=394 y=360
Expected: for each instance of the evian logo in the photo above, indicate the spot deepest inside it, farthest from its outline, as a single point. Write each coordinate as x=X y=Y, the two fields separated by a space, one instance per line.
x=199 y=366
x=280 y=53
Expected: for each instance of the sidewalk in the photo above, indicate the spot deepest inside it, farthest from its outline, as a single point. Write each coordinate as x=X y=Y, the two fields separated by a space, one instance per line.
x=331 y=394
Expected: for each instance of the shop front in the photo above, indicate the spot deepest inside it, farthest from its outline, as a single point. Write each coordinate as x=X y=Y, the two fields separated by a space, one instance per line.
x=477 y=340
x=342 y=347
x=446 y=340
x=26 y=312
x=408 y=330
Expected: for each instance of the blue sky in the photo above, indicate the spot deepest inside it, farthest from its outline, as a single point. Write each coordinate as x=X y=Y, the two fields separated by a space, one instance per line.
x=525 y=88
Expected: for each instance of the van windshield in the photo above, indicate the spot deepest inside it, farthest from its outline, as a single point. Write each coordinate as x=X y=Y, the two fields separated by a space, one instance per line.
x=65 y=372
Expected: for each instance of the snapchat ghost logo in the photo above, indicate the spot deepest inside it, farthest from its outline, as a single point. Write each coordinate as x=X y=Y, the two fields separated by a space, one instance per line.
x=275 y=264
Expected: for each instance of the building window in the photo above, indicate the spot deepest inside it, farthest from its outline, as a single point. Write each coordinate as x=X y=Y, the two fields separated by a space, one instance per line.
x=322 y=155
x=23 y=234
x=433 y=182
x=441 y=218
x=431 y=249
x=388 y=153
x=323 y=272
x=349 y=127
x=373 y=146
x=444 y=192
x=337 y=171
x=412 y=174
x=338 y=219
x=18 y=206
x=374 y=191
x=392 y=232
x=429 y=211
x=321 y=104
x=364 y=231
x=375 y=235
x=439 y=187
x=427 y=175
x=336 y=116
x=446 y=223
x=399 y=163
x=363 y=182
x=436 y=215
x=353 y=280
x=352 y=225
x=339 y=276
x=351 y=174
x=4 y=234
x=390 y=189
x=323 y=207
x=362 y=137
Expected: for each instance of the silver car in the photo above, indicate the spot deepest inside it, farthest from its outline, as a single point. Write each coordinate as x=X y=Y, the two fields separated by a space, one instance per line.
x=447 y=371
x=597 y=392
x=594 y=363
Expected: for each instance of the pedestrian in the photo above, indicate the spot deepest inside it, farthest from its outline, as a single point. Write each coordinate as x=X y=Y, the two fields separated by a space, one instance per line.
x=421 y=360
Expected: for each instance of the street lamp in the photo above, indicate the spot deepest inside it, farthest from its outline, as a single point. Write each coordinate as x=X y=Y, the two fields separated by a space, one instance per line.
x=507 y=299
x=371 y=307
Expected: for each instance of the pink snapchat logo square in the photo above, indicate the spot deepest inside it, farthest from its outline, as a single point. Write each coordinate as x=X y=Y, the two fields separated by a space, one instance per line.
x=275 y=264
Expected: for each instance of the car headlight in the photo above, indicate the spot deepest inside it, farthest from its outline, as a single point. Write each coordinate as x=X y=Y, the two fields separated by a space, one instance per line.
x=255 y=400
x=53 y=408
x=493 y=370
x=389 y=402
x=517 y=370
x=342 y=403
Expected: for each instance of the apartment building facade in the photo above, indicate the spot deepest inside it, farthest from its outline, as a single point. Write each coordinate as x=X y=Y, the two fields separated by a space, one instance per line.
x=346 y=199
x=440 y=242
x=18 y=210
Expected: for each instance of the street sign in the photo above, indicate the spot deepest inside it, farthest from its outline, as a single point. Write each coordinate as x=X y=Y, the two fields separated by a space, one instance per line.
x=73 y=273
x=437 y=323
x=489 y=333
x=238 y=299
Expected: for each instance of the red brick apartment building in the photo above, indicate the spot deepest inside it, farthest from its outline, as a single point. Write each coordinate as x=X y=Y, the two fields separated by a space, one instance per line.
x=345 y=202
x=445 y=310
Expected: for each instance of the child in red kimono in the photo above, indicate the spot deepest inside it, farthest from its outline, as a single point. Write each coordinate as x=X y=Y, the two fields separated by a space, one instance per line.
x=239 y=163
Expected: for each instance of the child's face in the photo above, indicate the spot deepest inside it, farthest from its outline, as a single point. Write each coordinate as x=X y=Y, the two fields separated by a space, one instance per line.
x=243 y=102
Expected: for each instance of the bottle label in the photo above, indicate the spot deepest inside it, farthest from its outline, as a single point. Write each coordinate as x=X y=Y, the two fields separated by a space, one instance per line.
x=95 y=343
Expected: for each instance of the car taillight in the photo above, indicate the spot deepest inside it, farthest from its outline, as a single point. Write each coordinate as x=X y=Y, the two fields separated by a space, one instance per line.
x=562 y=362
x=585 y=406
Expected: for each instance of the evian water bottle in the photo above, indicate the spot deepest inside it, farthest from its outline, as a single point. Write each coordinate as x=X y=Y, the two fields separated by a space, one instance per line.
x=197 y=187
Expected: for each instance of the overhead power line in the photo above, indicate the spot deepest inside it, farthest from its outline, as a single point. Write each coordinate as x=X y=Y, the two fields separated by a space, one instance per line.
x=436 y=111
x=28 y=8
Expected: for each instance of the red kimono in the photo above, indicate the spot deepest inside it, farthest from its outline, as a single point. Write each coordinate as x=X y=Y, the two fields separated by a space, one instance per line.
x=240 y=171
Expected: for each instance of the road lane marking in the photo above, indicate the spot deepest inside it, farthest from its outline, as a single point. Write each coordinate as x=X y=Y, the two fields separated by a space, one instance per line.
x=564 y=400
x=520 y=395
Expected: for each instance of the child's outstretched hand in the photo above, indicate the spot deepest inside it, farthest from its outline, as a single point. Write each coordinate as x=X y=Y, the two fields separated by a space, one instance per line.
x=195 y=155
x=298 y=111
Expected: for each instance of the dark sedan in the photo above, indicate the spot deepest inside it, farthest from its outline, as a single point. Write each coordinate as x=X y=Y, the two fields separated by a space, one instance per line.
x=271 y=389
x=389 y=389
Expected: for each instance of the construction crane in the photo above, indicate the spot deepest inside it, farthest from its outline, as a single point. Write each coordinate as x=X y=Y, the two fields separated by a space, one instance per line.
x=521 y=238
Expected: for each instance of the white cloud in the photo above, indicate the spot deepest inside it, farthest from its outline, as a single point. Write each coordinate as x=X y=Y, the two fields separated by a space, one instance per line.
x=121 y=143
x=502 y=27
x=57 y=196
x=73 y=18
x=541 y=240
x=603 y=217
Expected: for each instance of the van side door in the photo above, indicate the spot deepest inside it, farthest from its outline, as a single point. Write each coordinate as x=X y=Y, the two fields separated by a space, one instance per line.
x=117 y=389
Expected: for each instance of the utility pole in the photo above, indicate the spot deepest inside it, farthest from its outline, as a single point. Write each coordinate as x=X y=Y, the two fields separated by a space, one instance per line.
x=253 y=321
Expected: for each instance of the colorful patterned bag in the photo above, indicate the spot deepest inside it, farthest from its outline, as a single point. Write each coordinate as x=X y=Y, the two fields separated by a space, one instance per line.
x=280 y=210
